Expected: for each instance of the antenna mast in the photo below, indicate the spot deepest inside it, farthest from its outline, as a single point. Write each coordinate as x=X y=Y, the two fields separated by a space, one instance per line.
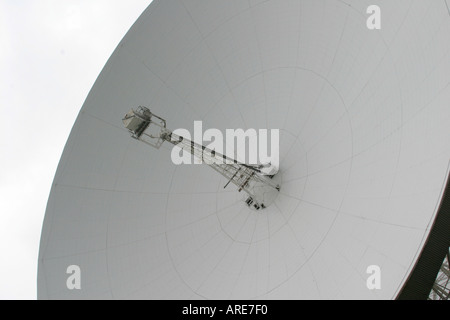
x=151 y=129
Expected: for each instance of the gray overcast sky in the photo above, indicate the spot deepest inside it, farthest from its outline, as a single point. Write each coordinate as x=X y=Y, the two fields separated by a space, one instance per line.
x=52 y=52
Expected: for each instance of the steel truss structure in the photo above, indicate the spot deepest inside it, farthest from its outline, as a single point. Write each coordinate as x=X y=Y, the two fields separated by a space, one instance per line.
x=151 y=129
x=441 y=287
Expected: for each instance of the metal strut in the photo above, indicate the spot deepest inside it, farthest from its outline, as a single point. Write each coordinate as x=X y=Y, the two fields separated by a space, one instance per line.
x=151 y=129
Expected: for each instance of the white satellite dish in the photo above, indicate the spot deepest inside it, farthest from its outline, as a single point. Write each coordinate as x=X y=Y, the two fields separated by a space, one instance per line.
x=364 y=149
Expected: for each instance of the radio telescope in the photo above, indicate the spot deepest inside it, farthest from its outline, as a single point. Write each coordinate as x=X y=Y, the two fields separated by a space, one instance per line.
x=364 y=154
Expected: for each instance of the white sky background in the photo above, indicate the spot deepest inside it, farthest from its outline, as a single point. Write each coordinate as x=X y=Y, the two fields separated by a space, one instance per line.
x=51 y=54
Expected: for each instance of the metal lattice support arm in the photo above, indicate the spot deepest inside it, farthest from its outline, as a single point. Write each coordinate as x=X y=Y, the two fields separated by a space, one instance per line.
x=245 y=177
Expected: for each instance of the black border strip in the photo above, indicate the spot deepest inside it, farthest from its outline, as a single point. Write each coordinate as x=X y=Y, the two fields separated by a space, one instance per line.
x=423 y=276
